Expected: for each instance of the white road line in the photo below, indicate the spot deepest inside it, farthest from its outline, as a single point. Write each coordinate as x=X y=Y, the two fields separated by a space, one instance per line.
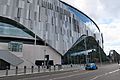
x=46 y=76
x=65 y=73
x=105 y=74
x=75 y=71
x=69 y=76
x=35 y=77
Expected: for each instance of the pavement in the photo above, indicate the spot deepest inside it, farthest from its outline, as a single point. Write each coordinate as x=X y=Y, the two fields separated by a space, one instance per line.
x=105 y=72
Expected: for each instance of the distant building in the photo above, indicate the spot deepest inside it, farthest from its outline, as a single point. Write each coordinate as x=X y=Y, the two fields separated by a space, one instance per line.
x=36 y=31
x=114 y=56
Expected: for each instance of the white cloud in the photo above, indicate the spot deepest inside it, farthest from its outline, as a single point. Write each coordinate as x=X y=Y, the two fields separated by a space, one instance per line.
x=112 y=7
x=111 y=36
x=106 y=14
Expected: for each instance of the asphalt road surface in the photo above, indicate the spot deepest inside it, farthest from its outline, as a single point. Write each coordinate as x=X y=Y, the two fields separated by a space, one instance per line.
x=106 y=72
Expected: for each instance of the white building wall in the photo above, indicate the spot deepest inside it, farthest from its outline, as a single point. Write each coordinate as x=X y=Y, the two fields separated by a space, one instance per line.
x=31 y=53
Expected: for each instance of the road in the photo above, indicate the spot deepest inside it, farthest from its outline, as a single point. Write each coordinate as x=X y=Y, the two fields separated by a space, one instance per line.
x=106 y=72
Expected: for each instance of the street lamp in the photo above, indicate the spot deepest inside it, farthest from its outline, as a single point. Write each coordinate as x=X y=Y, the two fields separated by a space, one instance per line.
x=99 y=53
x=44 y=50
x=85 y=50
x=35 y=39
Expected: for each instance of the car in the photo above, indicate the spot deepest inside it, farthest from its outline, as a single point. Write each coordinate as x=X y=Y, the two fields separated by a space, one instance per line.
x=91 y=66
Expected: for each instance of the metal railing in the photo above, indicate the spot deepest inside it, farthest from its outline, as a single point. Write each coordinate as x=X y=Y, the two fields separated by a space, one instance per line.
x=37 y=69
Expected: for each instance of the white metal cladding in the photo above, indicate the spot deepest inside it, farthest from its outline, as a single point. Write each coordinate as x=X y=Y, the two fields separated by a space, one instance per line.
x=45 y=17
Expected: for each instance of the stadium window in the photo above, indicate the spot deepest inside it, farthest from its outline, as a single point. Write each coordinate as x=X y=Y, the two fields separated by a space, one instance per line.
x=15 y=46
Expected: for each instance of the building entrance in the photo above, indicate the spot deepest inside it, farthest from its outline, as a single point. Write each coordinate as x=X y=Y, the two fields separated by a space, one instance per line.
x=4 y=64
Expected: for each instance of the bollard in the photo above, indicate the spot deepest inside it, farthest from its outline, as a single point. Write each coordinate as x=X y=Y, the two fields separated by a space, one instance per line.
x=49 y=68
x=32 y=67
x=58 y=67
x=54 y=67
x=6 y=70
x=16 y=70
x=71 y=65
x=38 y=68
x=24 y=69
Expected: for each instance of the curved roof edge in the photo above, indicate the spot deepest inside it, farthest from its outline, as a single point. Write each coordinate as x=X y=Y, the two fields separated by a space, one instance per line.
x=80 y=12
x=16 y=24
x=81 y=39
x=10 y=21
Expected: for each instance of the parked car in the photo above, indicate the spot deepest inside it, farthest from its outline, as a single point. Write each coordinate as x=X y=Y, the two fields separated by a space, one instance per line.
x=91 y=66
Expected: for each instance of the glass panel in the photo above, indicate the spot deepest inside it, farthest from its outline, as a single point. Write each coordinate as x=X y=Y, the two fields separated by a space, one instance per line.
x=10 y=30
x=15 y=46
x=82 y=18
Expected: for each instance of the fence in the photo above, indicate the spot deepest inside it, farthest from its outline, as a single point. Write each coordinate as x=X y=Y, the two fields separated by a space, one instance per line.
x=37 y=69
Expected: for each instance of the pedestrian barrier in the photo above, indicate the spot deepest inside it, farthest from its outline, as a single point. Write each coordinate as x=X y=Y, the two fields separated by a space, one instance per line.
x=36 y=69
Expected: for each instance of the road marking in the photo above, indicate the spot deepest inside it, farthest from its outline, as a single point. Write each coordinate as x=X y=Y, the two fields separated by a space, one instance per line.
x=47 y=75
x=37 y=77
x=75 y=71
x=64 y=77
x=105 y=74
x=34 y=77
x=69 y=76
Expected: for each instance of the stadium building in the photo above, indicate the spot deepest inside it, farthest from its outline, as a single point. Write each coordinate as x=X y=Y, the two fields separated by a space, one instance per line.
x=33 y=32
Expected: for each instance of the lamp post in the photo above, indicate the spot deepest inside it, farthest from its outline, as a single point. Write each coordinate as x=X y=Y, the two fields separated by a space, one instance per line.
x=85 y=51
x=44 y=50
x=35 y=39
x=86 y=57
x=100 y=54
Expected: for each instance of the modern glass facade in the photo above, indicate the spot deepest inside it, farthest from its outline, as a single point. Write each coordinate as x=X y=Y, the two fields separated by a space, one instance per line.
x=84 y=20
x=57 y=23
x=52 y=20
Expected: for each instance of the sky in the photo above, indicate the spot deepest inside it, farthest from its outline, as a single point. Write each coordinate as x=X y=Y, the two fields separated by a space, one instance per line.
x=106 y=13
